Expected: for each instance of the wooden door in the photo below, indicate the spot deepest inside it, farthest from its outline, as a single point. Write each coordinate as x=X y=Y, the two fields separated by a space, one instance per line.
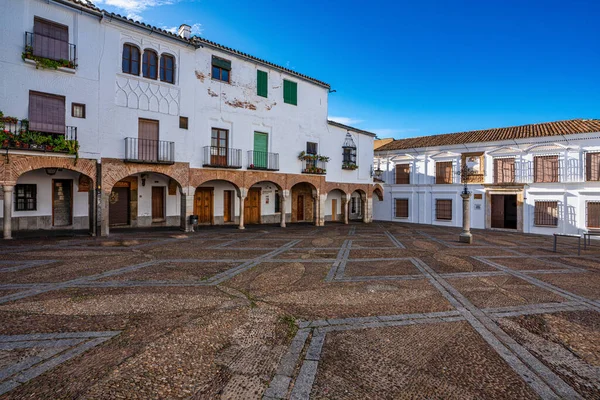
x=260 y=150
x=252 y=207
x=203 y=205
x=62 y=202
x=228 y=206
x=158 y=203
x=147 y=140
x=497 y=211
x=118 y=205
x=219 y=144
x=300 y=208
x=334 y=209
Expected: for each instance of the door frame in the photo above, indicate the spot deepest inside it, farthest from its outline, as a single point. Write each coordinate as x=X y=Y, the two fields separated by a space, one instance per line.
x=298 y=208
x=229 y=193
x=334 y=210
x=164 y=204
x=128 y=187
x=259 y=190
x=212 y=203
x=515 y=189
x=71 y=213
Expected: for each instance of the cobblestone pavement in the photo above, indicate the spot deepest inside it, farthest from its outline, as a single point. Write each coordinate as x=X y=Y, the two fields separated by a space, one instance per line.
x=377 y=311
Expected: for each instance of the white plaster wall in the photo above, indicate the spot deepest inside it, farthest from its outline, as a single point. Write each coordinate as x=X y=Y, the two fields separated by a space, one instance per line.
x=172 y=207
x=337 y=195
x=218 y=196
x=571 y=192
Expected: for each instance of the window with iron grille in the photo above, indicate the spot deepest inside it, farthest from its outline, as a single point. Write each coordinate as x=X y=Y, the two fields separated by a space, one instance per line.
x=150 y=64
x=401 y=208
x=546 y=213
x=46 y=112
x=51 y=40
x=402 y=174
x=26 y=197
x=167 y=68
x=545 y=169
x=593 y=214
x=443 y=172
x=131 y=59
x=443 y=209
x=592 y=166
x=504 y=170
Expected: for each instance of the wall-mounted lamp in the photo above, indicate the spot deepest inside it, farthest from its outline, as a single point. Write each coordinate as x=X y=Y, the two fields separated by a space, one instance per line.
x=51 y=171
x=144 y=176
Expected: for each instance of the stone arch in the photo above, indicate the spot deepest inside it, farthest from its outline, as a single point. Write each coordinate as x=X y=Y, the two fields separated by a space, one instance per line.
x=360 y=206
x=199 y=177
x=252 y=178
x=114 y=171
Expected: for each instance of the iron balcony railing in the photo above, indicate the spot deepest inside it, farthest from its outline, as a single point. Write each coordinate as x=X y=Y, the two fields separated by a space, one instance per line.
x=222 y=157
x=41 y=46
x=263 y=160
x=149 y=151
x=314 y=167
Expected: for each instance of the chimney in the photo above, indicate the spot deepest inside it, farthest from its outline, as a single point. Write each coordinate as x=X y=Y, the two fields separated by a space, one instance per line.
x=184 y=31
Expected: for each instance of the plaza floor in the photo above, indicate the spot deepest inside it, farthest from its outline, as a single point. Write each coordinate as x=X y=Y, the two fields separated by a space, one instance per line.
x=359 y=311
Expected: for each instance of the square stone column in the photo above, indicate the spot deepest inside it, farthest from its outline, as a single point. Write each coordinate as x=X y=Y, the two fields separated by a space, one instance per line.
x=8 y=199
x=187 y=208
x=284 y=195
x=242 y=196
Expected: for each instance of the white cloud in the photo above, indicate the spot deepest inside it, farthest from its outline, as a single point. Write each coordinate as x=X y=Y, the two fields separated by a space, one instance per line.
x=133 y=8
x=196 y=29
x=346 y=120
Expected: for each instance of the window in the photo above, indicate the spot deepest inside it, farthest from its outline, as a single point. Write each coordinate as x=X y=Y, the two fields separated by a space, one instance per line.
x=150 y=64
x=26 y=197
x=443 y=172
x=221 y=69
x=277 y=201
x=402 y=174
x=504 y=170
x=443 y=209
x=290 y=92
x=219 y=138
x=592 y=166
x=167 y=68
x=78 y=110
x=262 y=83
x=311 y=148
x=593 y=214
x=183 y=122
x=46 y=113
x=401 y=208
x=545 y=169
x=131 y=59
x=51 y=40
x=546 y=213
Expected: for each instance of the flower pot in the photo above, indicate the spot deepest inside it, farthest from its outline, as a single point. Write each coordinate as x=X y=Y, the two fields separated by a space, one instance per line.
x=5 y=143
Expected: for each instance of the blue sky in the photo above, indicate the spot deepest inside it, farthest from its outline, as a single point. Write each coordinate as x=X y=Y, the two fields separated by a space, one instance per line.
x=412 y=68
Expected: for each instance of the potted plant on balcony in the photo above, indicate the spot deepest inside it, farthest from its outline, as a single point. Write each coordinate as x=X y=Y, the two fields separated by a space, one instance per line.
x=4 y=139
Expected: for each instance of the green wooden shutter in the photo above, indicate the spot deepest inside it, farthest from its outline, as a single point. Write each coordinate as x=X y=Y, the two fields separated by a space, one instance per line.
x=260 y=150
x=290 y=92
x=261 y=83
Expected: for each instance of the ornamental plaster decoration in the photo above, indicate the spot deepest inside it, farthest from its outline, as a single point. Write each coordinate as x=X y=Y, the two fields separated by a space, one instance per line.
x=140 y=94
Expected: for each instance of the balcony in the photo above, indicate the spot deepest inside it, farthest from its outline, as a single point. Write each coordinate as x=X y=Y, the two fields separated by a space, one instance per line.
x=473 y=178
x=315 y=166
x=261 y=160
x=149 y=151
x=15 y=134
x=222 y=157
x=49 y=53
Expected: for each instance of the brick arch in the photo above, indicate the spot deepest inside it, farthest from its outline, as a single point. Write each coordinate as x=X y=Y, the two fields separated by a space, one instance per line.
x=376 y=187
x=362 y=189
x=201 y=176
x=252 y=178
x=329 y=186
x=314 y=180
x=115 y=170
x=20 y=164
x=378 y=192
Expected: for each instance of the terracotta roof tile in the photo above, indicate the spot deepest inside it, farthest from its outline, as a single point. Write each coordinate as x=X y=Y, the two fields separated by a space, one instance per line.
x=557 y=128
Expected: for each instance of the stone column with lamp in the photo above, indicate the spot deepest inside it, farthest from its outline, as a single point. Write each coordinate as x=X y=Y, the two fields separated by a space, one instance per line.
x=466 y=170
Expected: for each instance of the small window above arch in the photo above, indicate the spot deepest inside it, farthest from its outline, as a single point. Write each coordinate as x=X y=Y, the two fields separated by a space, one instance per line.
x=131 y=59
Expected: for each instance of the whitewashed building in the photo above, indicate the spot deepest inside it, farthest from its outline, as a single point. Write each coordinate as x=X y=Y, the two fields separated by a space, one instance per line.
x=109 y=122
x=540 y=178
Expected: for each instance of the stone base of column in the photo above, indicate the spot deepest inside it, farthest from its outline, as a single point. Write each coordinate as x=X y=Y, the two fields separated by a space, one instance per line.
x=466 y=237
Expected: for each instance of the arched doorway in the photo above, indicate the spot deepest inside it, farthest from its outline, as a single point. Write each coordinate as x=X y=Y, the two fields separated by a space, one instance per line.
x=216 y=202
x=52 y=198
x=335 y=206
x=145 y=199
x=304 y=202
x=357 y=205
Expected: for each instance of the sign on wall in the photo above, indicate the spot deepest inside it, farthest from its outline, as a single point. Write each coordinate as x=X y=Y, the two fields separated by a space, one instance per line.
x=84 y=183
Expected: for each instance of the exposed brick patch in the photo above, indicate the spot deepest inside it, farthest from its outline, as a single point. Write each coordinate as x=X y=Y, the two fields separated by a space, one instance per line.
x=241 y=104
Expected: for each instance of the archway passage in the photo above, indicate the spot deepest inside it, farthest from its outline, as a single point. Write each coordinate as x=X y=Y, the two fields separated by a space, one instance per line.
x=265 y=204
x=145 y=199
x=357 y=207
x=49 y=199
x=335 y=206
x=303 y=202
x=216 y=202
